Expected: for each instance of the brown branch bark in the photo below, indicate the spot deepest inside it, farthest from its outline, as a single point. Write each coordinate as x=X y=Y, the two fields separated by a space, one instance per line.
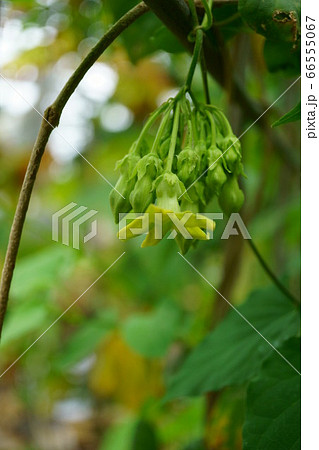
x=51 y=120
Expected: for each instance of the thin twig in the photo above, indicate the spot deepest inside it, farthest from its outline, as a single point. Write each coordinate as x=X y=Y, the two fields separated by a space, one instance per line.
x=271 y=274
x=227 y=21
x=51 y=120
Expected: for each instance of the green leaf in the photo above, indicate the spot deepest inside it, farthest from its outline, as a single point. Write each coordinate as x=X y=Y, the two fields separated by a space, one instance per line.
x=292 y=116
x=283 y=57
x=278 y=20
x=273 y=403
x=234 y=351
x=119 y=435
x=23 y=319
x=41 y=271
x=151 y=334
x=144 y=436
x=84 y=341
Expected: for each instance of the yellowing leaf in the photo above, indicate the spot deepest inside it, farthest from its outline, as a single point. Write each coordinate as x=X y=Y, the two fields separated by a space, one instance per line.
x=125 y=376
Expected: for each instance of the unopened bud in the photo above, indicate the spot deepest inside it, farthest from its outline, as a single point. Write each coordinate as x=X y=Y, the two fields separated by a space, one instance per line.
x=201 y=150
x=142 y=195
x=119 y=204
x=150 y=164
x=231 y=198
x=188 y=166
x=127 y=165
x=230 y=147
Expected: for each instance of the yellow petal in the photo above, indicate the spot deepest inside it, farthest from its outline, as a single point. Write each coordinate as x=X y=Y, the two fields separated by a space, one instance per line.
x=197 y=233
x=197 y=220
x=140 y=226
x=150 y=240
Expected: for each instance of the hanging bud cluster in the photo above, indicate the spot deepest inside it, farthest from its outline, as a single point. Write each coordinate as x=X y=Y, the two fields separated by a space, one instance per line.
x=193 y=157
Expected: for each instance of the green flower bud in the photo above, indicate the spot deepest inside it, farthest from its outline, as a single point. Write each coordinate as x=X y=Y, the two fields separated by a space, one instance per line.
x=168 y=189
x=194 y=200
x=148 y=168
x=127 y=165
x=142 y=195
x=215 y=179
x=231 y=198
x=201 y=150
x=216 y=176
x=150 y=164
x=188 y=165
x=214 y=157
x=230 y=147
x=124 y=185
x=117 y=202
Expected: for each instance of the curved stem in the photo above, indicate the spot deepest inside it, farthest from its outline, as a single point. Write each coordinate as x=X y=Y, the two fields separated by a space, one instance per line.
x=206 y=24
x=212 y=127
x=161 y=129
x=208 y=18
x=51 y=120
x=270 y=273
x=192 y=7
x=204 y=77
x=190 y=134
x=172 y=146
x=226 y=128
x=228 y=20
x=194 y=128
x=197 y=50
x=150 y=122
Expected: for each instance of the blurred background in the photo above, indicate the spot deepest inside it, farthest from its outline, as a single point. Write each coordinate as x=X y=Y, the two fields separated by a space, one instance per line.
x=97 y=378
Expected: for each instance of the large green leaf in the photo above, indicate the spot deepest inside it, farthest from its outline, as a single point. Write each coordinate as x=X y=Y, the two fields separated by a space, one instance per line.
x=273 y=404
x=278 y=20
x=234 y=351
x=151 y=334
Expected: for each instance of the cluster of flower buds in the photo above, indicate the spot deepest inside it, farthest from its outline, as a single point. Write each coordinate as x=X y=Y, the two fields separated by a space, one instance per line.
x=193 y=157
